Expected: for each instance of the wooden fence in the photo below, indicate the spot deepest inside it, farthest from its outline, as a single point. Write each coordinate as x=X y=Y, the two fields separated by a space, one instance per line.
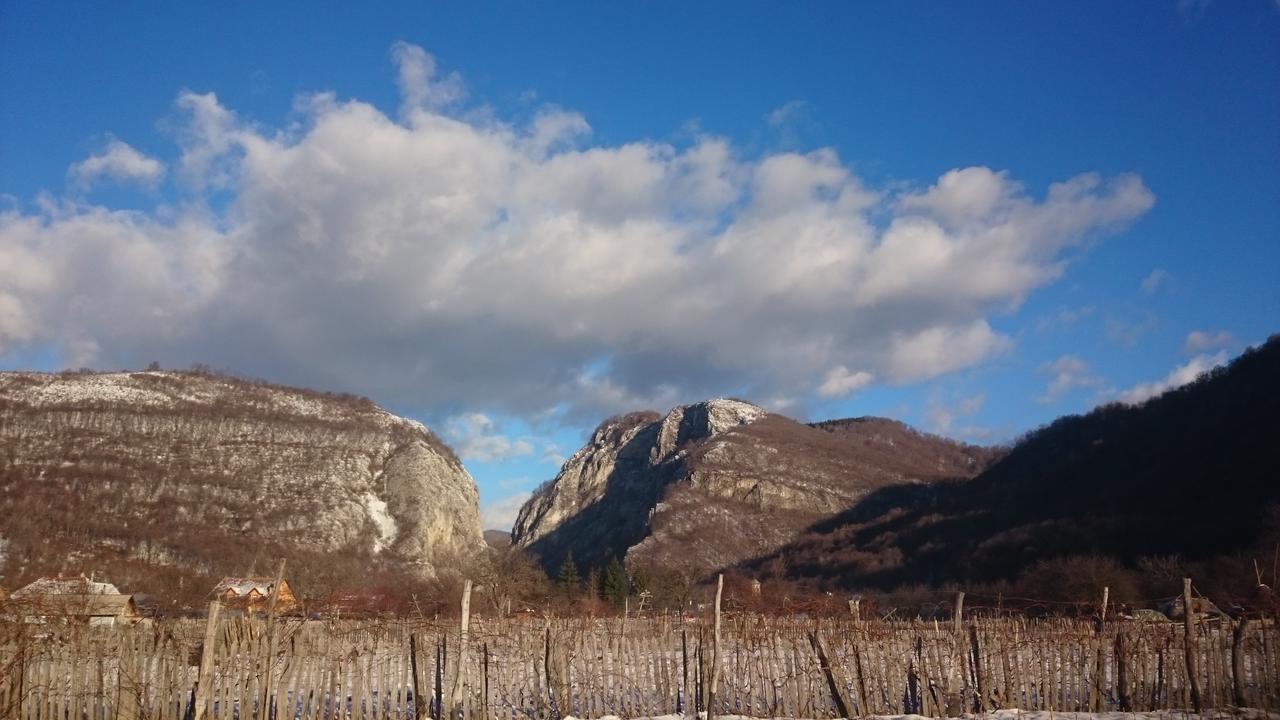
x=528 y=668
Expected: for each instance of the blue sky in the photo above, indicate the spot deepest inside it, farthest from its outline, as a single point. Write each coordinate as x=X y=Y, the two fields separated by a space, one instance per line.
x=512 y=221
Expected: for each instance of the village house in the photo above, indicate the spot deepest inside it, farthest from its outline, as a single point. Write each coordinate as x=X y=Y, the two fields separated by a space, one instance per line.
x=253 y=595
x=72 y=599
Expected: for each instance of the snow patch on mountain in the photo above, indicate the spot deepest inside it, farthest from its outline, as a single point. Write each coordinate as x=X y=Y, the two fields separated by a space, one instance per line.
x=723 y=413
x=376 y=508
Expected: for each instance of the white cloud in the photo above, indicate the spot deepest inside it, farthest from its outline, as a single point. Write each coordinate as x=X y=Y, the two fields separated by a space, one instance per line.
x=501 y=513
x=1199 y=341
x=941 y=417
x=941 y=349
x=475 y=436
x=1066 y=373
x=453 y=260
x=1155 y=280
x=209 y=141
x=1176 y=378
x=786 y=113
x=421 y=88
x=841 y=381
x=553 y=454
x=120 y=161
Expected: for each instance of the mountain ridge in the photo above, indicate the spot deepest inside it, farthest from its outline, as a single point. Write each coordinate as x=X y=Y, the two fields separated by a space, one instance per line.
x=1184 y=475
x=173 y=478
x=654 y=488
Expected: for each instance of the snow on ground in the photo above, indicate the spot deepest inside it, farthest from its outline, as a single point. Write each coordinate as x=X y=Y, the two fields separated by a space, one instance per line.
x=114 y=388
x=1217 y=714
x=132 y=389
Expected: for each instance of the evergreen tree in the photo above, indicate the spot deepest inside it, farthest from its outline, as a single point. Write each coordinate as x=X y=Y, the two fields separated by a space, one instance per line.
x=570 y=583
x=616 y=585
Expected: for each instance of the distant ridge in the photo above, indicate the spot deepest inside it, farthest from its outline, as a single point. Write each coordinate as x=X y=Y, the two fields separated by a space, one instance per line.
x=716 y=482
x=1189 y=475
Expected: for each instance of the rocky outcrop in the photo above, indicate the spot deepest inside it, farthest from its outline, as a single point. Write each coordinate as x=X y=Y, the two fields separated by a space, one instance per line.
x=717 y=482
x=156 y=476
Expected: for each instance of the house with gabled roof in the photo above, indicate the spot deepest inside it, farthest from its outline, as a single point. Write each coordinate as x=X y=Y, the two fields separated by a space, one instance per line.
x=252 y=595
x=74 y=599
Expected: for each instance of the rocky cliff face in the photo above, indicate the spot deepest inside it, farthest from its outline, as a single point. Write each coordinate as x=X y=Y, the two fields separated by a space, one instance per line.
x=157 y=477
x=717 y=482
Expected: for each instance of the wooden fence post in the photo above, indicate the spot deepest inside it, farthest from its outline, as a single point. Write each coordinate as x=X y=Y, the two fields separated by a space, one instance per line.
x=441 y=658
x=455 y=692
x=1189 y=644
x=836 y=680
x=956 y=690
x=1123 y=690
x=1237 y=660
x=980 y=700
x=268 y=666
x=204 y=683
x=419 y=703
x=556 y=666
x=683 y=706
x=715 y=654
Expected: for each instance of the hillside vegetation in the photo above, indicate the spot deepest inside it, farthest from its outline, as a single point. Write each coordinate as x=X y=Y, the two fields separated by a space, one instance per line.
x=1131 y=496
x=166 y=481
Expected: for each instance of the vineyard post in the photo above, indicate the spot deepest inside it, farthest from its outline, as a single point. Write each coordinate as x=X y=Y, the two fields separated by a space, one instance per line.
x=419 y=703
x=1097 y=698
x=683 y=706
x=1123 y=694
x=836 y=678
x=955 y=698
x=269 y=664
x=715 y=653
x=1237 y=660
x=1189 y=644
x=455 y=692
x=204 y=683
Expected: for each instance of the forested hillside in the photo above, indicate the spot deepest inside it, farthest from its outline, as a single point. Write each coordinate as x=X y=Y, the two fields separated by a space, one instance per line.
x=1184 y=482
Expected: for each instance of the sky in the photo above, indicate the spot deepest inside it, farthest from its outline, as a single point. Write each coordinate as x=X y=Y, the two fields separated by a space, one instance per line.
x=513 y=220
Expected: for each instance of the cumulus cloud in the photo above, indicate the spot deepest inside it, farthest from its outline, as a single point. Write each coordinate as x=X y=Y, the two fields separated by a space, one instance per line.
x=786 y=113
x=1066 y=373
x=1155 y=280
x=475 y=436
x=841 y=381
x=421 y=87
x=1176 y=378
x=501 y=513
x=448 y=259
x=1199 y=341
x=119 y=161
